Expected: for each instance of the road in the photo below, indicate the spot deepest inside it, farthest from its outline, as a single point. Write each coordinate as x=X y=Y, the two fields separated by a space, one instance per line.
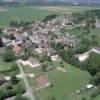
x=29 y=92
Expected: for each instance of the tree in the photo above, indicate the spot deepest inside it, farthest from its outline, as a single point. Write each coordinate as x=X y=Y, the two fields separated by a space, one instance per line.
x=14 y=24
x=14 y=80
x=83 y=98
x=49 y=17
x=44 y=66
x=9 y=56
x=1 y=43
x=62 y=64
x=9 y=87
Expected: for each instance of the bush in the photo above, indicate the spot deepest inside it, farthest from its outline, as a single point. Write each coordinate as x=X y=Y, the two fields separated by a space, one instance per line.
x=93 y=95
x=9 y=87
x=9 y=56
x=20 y=97
x=14 y=80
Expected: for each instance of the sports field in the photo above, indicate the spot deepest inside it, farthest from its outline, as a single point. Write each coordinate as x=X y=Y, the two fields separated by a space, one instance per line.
x=31 y=13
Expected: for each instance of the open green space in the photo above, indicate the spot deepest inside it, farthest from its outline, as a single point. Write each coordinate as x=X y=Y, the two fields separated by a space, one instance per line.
x=64 y=83
x=4 y=66
x=67 y=9
x=31 y=13
x=21 y=13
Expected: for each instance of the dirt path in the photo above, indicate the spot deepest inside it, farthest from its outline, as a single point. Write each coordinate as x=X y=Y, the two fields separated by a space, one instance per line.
x=29 y=92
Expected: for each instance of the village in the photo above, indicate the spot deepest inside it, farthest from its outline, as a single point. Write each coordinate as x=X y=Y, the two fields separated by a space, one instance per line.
x=32 y=49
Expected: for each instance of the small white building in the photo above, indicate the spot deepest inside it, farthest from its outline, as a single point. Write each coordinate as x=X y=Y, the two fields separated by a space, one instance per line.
x=31 y=62
x=54 y=57
x=96 y=50
x=83 y=57
x=89 y=86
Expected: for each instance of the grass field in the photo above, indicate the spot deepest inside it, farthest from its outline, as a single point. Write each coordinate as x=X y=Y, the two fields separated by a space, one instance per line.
x=21 y=13
x=30 y=13
x=4 y=66
x=66 y=9
x=64 y=83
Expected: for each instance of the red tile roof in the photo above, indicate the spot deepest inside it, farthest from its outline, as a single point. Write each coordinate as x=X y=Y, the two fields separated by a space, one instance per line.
x=42 y=80
x=17 y=49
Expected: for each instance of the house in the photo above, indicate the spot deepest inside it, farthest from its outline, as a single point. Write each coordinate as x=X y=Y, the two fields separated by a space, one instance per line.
x=97 y=23
x=42 y=82
x=32 y=62
x=28 y=44
x=67 y=20
x=6 y=42
x=54 y=57
x=17 y=42
x=84 y=56
x=89 y=86
x=10 y=43
x=9 y=30
x=96 y=50
x=17 y=49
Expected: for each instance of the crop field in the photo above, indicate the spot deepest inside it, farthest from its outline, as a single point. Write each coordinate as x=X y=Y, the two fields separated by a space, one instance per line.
x=31 y=13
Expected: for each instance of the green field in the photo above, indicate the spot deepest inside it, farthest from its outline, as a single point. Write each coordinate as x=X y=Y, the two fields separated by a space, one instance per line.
x=30 y=13
x=67 y=9
x=64 y=83
x=4 y=66
x=21 y=13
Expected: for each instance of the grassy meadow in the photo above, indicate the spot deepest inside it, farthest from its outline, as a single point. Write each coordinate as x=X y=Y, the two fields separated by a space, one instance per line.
x=65 y=84
x=31 y=13
x=4 y=66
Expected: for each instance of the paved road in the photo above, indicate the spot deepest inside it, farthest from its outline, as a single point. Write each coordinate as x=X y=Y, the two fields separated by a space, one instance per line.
x=29 y=91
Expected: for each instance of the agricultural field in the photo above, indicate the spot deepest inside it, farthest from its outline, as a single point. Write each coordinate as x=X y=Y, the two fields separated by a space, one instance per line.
x=30 y=13
x=66 y=9
x=21 y=13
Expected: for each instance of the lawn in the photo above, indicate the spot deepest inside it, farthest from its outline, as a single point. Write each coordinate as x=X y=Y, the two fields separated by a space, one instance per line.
x=64 y=83
x=31 y=13
x=4 y=66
